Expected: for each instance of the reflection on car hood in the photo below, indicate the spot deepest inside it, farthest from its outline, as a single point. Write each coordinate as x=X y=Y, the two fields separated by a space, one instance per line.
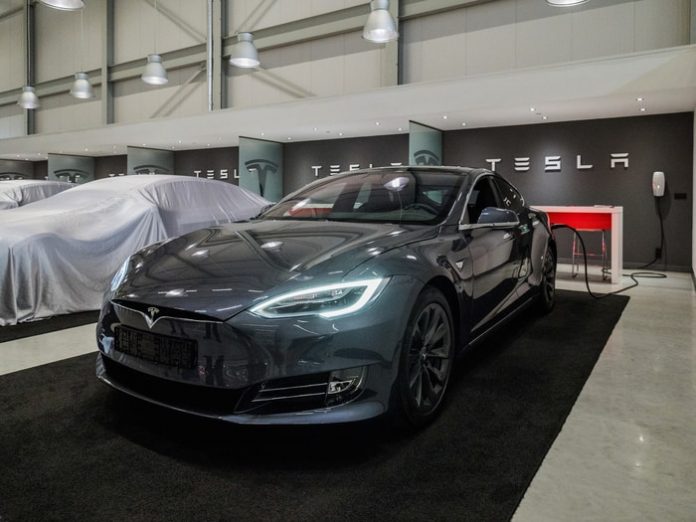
x=220 y=271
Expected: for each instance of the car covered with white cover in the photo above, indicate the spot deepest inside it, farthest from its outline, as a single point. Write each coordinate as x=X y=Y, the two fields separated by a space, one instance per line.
x=58 y=255
x=19 y=192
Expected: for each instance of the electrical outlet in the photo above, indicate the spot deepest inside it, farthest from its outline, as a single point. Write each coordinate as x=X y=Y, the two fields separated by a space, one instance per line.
x=658 y=253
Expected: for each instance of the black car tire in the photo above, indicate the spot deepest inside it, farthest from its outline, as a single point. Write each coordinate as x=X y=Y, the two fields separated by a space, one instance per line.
x=425 y=364
x=547 y=287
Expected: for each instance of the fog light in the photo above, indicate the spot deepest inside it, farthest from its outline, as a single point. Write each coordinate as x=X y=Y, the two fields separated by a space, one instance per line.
x=344 y=385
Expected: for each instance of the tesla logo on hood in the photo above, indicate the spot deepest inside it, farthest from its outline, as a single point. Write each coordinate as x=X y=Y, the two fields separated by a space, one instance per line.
x=152 y=311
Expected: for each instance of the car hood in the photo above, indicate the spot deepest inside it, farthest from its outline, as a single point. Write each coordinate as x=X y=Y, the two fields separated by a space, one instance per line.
x=220 y=271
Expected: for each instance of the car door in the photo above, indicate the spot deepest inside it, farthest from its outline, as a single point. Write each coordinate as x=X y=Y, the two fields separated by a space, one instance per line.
x=511 y=199
x=494 y=253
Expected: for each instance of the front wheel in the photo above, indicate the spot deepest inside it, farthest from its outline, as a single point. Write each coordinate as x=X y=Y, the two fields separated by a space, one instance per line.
x=426 y=359
x=547 y=287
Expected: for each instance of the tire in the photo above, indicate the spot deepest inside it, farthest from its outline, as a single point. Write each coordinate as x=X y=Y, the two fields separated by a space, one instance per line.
x=547 y=286
x=425 y=365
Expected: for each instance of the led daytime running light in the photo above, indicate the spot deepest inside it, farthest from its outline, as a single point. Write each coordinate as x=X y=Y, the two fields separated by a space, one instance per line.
x=370 y=285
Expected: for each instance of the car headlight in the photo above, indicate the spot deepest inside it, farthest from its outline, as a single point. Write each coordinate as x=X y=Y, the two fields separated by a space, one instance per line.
x=326 y=301
x=120 y=275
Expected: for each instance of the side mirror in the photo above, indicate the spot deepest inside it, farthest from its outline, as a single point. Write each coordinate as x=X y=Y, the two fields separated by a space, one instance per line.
x=492 y=217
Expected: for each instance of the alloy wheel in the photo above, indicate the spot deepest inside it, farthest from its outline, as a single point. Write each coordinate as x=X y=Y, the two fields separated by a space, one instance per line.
x=429 y=357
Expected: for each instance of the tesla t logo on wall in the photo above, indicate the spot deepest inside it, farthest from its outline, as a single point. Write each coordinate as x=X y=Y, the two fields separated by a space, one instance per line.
x=555 y=163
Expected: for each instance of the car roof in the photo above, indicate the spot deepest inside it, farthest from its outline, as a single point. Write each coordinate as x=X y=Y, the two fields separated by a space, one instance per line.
x=425 y=168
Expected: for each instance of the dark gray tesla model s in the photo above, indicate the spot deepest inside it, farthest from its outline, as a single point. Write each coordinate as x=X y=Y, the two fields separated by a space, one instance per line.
x=346 y=300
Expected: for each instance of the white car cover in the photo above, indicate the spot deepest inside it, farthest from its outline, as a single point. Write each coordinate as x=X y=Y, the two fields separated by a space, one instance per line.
x=58 y=255
x=18 y=192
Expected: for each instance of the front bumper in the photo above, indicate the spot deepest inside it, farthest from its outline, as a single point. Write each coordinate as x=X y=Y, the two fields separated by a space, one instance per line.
x=241 y=359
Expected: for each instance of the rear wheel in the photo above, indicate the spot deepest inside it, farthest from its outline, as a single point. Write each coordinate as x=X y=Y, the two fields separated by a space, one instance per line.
x=547 y=287
x=425 y=363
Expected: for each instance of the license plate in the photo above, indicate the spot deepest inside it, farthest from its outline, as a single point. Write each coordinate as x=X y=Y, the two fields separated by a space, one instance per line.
x=160 y=349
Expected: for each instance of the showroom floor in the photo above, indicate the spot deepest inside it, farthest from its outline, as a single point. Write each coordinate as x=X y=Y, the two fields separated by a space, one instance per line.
x=628 y=449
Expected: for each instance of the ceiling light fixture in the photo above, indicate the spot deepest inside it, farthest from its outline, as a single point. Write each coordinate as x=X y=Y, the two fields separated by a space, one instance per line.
x=244 y=54
x=81 y=87
x=565 y=3
x=380 y=26
x=28 y=99
x=64 y=5
x=643 y=109
x=463 y=124
x=532 y=109
x=155 y=73
x=640 y=98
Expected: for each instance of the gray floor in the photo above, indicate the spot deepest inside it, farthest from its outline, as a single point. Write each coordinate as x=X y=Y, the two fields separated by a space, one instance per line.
x=627 y=450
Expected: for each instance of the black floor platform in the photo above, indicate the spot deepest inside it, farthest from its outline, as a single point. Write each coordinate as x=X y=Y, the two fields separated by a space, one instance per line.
x=72 y=449
x=50 y=324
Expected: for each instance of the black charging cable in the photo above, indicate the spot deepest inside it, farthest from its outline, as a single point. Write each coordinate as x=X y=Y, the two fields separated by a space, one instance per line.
x=662 y=235
x=634 y=275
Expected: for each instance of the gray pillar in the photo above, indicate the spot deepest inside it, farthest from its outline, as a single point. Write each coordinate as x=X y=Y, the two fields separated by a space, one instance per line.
x=107 y=88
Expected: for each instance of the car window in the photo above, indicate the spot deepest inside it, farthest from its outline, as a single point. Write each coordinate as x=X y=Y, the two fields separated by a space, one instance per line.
x=510 y=198
x=396 y=196
x=482 y=195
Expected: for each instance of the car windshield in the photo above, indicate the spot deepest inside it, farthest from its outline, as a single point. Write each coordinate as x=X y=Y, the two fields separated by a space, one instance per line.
x=399 y=196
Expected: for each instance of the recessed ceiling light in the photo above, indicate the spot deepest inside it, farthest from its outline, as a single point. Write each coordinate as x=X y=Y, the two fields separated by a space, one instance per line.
x=444 y=116
x=340 y=134
x=144 y=144
x=640 y=99
x=86 y=149
x=463 y=124
x=179 y=141
x=544 y=117
x=400 y=129
x=643 y=109
x=263 y=134
x=315 y=129
x=207 y=144
x=289 y=138
x=377 y=123
x=532 y=109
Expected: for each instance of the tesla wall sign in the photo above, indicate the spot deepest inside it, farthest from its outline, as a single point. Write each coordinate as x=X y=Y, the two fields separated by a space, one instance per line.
x=556 y=163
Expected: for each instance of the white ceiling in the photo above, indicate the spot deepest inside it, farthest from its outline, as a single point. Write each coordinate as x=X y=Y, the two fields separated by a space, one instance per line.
x=605 y=88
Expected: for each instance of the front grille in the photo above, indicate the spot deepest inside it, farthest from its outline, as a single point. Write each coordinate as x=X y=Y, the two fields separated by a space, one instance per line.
x=190 y=397
x=163 y=311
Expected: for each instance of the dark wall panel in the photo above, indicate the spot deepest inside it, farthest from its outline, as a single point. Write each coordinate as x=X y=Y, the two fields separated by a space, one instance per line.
x=310 y=160
x=110 y=166
x=653 y=143
x=219 y=163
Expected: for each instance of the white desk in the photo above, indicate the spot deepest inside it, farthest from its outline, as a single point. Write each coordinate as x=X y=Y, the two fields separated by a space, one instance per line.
x=600 y=217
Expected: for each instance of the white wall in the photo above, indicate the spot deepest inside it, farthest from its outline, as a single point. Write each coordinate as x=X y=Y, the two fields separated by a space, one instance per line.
x=136 y=22
x=62 y=112
x=494 y=36
x=11 y=52
x=136 y=101
x=60 y=48
x=270 y=13
x=507 y=34
x=11 y=121
x=331 y=66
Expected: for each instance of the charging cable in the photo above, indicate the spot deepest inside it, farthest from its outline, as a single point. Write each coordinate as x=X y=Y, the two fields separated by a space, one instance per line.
x=634 y=275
